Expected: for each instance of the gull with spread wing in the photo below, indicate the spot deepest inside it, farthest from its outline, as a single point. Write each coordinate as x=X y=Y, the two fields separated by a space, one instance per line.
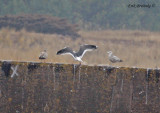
x=77 y=55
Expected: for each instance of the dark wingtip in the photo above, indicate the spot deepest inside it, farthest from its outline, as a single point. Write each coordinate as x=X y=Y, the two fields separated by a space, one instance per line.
x=94 y=46
x=121 y=60
x=42 y=58
x=58 y=53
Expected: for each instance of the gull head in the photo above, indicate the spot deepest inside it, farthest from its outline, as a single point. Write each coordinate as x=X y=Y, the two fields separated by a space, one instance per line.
x=109 y=52
x=45 y=50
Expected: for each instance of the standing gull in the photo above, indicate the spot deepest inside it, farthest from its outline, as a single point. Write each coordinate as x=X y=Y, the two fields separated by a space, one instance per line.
x=43 y=55
x=77 y=55
x=113 y=58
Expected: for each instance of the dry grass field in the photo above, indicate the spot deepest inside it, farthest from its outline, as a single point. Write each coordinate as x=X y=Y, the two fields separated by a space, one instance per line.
x=136 y=48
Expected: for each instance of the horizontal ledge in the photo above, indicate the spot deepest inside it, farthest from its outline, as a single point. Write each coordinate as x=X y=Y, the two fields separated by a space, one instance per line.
x=52 y=64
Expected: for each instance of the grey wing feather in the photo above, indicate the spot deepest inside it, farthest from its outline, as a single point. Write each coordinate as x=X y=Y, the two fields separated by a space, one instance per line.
x=84 y=48
x=116 y=59
x=66 y=50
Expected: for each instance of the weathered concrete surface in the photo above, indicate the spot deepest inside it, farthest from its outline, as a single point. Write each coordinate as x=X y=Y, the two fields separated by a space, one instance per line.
x=67 y=88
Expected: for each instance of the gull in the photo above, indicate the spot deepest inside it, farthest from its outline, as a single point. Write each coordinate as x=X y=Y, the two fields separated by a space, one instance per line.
x=43 y=55
x=113 y=58
x=77 y=55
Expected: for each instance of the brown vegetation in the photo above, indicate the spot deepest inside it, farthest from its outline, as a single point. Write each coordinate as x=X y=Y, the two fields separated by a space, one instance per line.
x=39 y=24
x=135 y=48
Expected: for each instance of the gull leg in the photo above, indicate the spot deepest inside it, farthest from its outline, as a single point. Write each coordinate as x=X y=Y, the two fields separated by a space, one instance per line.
x=109 y=64
x=81 y=62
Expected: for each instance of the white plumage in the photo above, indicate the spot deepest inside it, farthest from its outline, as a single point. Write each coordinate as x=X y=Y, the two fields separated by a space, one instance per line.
x=43 y=55
x=113 y=58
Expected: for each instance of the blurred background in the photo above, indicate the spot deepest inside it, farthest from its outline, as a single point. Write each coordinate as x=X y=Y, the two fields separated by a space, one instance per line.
x=128 y=28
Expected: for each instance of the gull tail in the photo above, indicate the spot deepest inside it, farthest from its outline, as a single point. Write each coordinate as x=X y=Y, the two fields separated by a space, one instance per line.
x=121 y=61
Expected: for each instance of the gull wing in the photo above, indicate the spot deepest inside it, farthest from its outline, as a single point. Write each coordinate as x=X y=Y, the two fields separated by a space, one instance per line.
x=117 y=59
x=66 y=50
x=84 y=48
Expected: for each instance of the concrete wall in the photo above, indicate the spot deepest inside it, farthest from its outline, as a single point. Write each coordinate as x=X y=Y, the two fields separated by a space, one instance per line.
x=27 y=87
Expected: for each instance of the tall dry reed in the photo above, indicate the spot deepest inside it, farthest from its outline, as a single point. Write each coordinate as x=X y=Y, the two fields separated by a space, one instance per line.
x=136 y=48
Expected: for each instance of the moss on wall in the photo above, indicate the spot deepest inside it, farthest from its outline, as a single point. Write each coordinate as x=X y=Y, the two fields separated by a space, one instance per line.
x=28 y=87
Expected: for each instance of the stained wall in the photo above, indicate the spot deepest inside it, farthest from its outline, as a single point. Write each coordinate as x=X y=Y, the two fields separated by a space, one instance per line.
x=30 y=87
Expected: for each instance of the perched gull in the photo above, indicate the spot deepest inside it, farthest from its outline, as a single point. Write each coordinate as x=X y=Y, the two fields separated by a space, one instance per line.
x=113 y=58
x=43 y=55
x=77 y=55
